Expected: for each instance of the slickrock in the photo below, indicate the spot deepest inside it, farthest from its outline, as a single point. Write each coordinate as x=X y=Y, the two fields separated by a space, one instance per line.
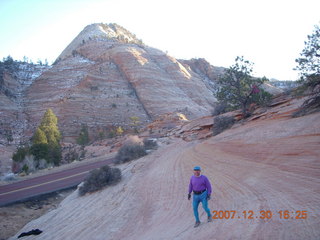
x=268 y=164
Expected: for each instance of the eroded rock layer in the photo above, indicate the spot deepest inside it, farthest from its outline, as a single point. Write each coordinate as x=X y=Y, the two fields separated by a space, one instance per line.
x=105 y=77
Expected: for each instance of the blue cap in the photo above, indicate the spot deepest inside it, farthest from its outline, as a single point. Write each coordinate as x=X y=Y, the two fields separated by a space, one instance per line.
x=197 y=168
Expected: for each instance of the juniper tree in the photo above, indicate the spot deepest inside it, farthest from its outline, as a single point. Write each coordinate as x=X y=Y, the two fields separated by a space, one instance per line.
x=309 y=67
x=309 y=62
x=39 y=137
x=237 y=88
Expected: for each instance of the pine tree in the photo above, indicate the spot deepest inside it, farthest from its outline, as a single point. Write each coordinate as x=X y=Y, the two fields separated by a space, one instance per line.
x=309 y=62
x=49 y=125
x=46 y=140
x=39 y=137
x=45 y=143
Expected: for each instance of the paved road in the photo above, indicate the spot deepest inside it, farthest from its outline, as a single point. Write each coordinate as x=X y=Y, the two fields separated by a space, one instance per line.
x=48 y=183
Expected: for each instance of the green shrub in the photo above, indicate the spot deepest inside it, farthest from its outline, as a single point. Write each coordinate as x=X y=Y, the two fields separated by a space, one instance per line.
x=40 y=151
x=25 y=168
x=101 y=135
x=20 y=154
x=55 y=155
x=99 y=178
x=52 y=154
x=222 y=123
x=112 y=134
x=261 y=98
x=130 y=152
x=83 y=138
x=149 y=144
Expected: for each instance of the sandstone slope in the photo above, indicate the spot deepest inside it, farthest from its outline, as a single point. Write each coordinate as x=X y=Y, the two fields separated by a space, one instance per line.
x=270 y=163
x=107 y=75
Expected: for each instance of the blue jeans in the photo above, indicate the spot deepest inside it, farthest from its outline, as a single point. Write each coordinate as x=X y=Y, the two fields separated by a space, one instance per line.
x=196 y=200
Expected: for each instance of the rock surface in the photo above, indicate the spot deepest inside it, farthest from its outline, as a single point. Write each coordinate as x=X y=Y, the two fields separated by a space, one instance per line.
x=269 y=163
x=15 y=79
x=102 y=79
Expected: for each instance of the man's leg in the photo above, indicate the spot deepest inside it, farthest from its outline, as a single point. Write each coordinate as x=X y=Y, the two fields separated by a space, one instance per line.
x=204 y=202
x=195 y=204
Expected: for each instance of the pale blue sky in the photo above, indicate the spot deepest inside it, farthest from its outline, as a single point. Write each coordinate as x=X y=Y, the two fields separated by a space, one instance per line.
x=269 y=33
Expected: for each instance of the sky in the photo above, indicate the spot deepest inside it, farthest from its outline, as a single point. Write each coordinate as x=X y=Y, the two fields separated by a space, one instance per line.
x=270 y=33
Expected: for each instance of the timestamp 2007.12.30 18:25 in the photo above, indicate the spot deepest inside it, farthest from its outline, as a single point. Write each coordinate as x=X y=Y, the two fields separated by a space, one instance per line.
x=262 y=214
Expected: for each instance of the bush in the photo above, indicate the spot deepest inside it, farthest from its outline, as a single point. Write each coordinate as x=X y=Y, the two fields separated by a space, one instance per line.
x=99 y=178
x=40 y=151
x=30 y=164
x=130 y=152
x=150 y=144
x=219 y=109
x=52 y=154
x=83 y=138
x=261 y=98
x=25 y=168
x=20 y=154
x=222 y=123
x=55 y=155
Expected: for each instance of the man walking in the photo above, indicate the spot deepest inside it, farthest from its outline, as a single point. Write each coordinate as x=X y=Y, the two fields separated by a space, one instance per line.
x=201 y=188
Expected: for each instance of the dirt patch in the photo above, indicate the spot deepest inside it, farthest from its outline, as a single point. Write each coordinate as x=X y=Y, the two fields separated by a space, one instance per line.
x=13 y=217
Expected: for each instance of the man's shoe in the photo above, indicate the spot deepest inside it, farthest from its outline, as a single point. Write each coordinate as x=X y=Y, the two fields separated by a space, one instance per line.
x=210 y=219
x=196 y=224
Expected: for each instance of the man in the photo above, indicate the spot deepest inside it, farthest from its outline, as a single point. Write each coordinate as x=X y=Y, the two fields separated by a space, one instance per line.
x=201 y=188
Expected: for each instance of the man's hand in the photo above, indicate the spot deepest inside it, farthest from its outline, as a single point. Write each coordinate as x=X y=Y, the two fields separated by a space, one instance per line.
x=189 y=196
x=208 y=197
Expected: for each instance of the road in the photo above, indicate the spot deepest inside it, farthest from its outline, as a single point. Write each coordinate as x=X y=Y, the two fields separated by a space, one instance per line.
x=46 y=184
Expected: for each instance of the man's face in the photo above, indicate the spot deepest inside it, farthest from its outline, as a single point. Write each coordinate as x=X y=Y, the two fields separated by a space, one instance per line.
x=197 y=172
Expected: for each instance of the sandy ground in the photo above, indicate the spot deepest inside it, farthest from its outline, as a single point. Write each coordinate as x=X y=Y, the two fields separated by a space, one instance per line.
x=268 y=164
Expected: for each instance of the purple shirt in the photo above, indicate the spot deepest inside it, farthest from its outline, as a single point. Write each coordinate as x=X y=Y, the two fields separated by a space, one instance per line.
x=199 y=183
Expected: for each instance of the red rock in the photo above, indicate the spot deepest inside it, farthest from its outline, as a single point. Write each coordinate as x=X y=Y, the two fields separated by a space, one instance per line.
x=101 y=81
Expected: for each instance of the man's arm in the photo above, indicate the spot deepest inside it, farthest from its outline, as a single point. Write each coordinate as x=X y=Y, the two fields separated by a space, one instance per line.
x=208 y=186
x=190 y=189
x=190 y=186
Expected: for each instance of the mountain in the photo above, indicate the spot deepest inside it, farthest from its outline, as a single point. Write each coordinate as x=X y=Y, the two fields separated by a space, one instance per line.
x=106 y=76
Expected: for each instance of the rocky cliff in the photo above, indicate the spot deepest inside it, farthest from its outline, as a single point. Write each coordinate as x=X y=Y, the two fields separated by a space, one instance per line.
x=105 y=77
x=15 y=78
